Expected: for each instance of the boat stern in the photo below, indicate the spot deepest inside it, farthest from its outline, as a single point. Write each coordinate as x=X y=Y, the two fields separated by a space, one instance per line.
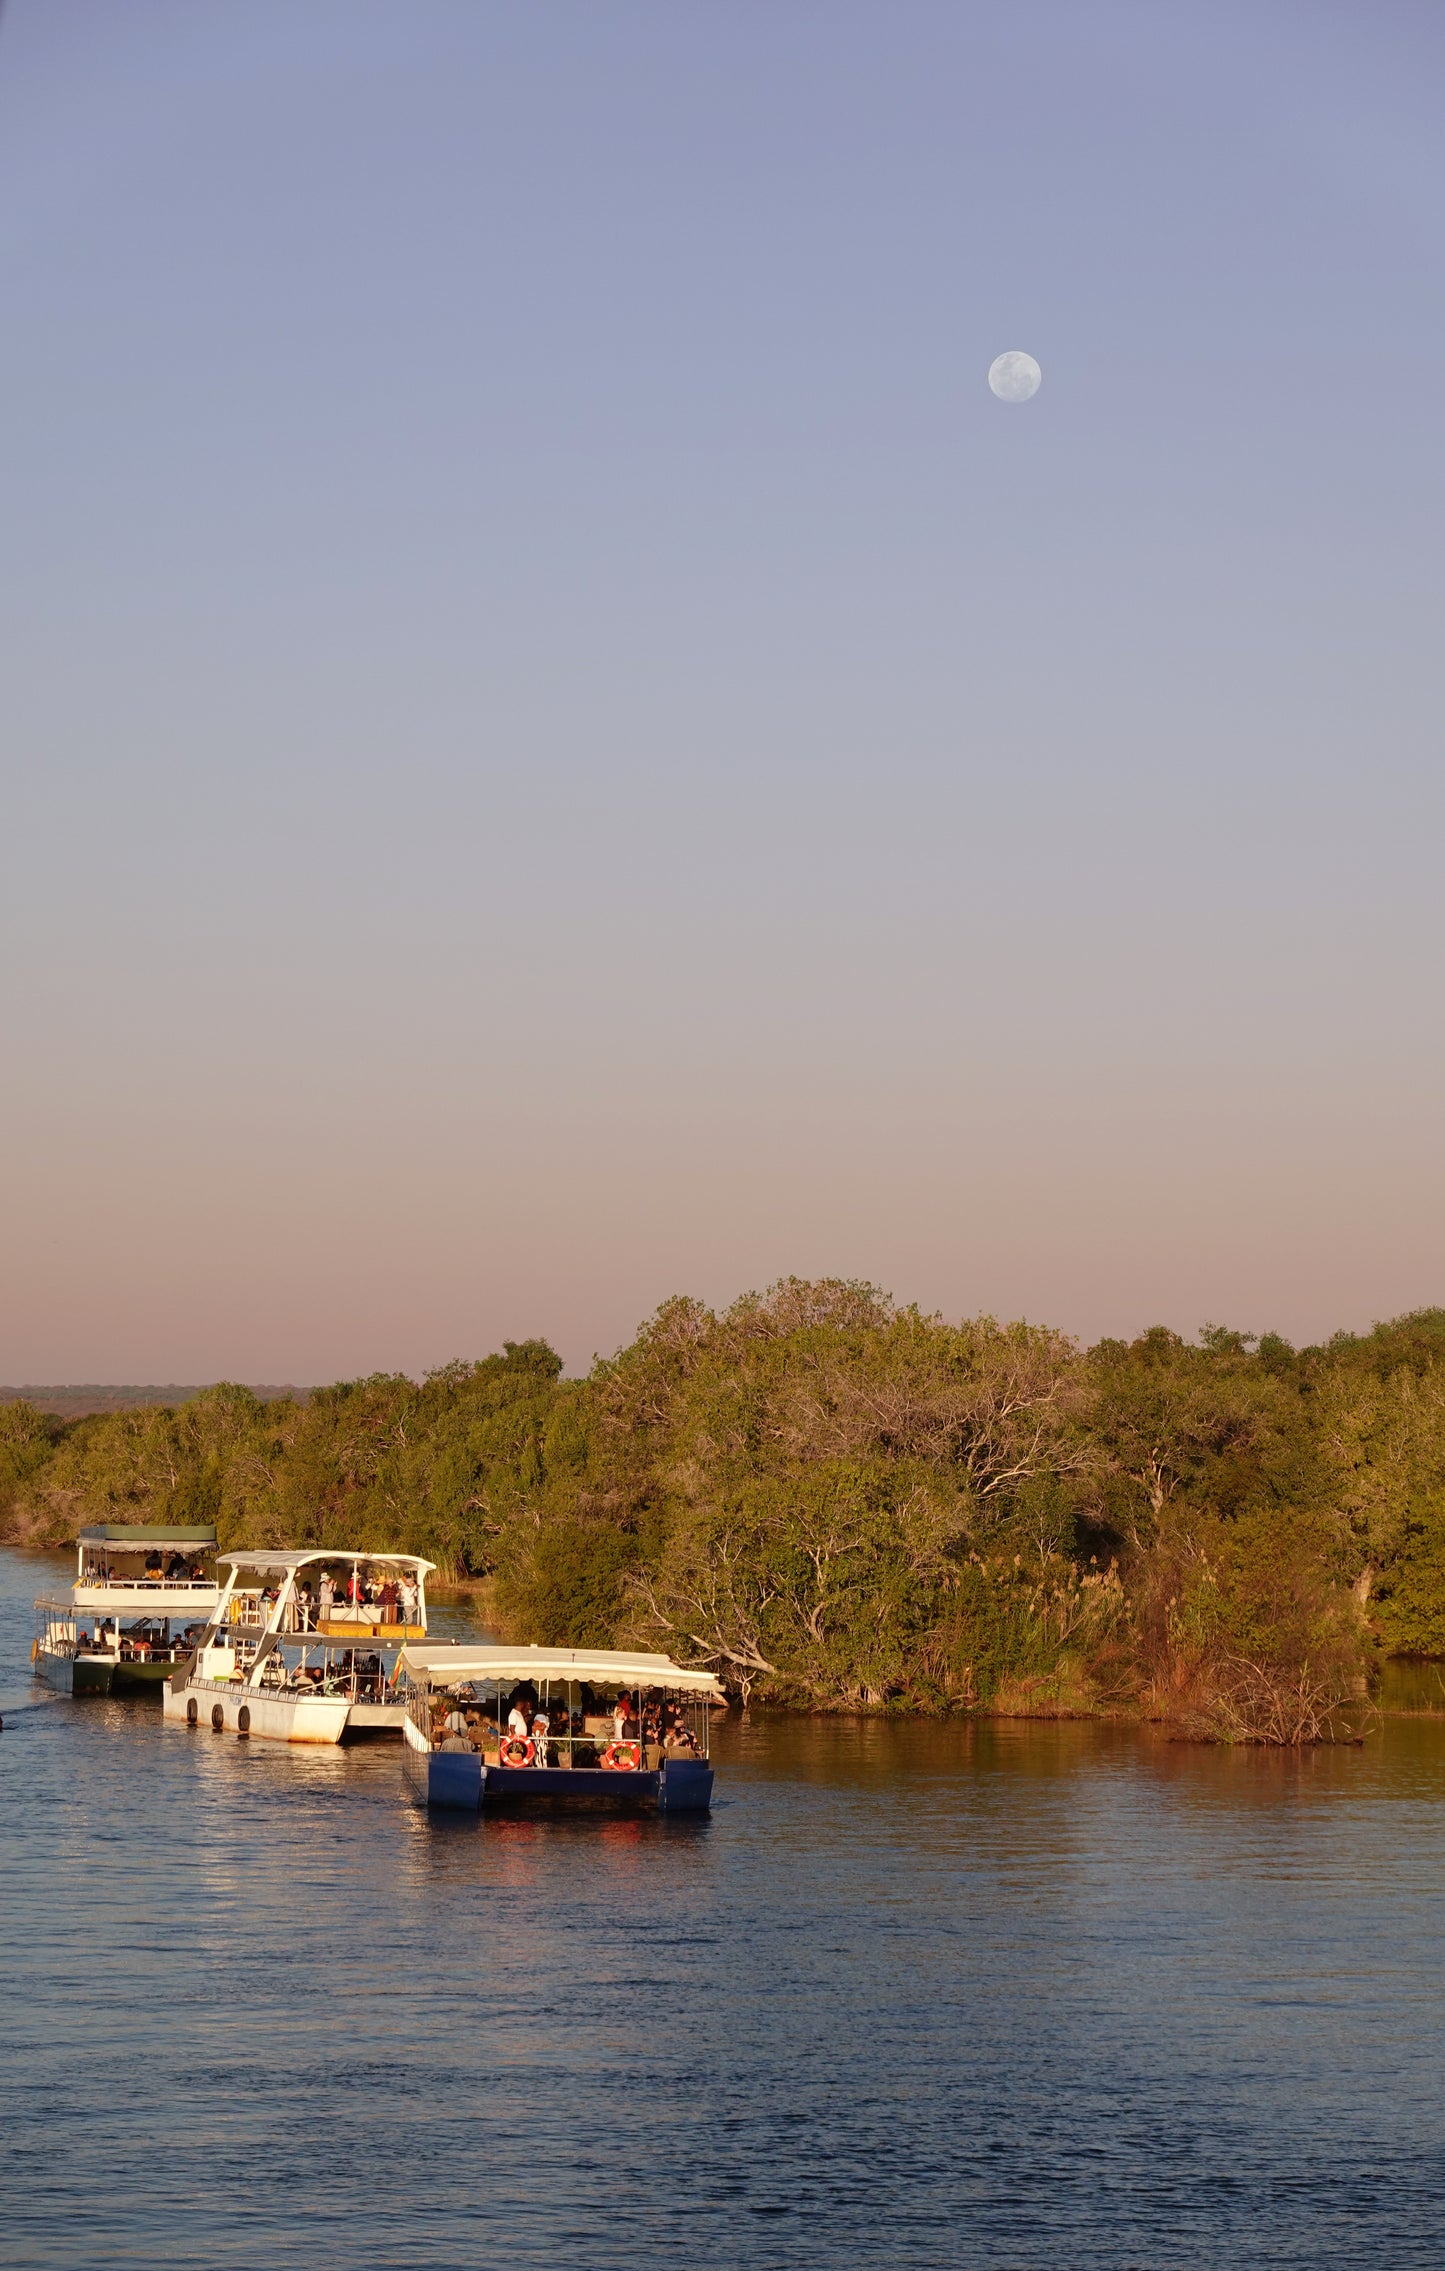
x=684 y=1786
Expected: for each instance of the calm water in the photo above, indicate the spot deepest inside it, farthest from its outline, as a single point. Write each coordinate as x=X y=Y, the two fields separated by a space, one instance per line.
x=978 y=1996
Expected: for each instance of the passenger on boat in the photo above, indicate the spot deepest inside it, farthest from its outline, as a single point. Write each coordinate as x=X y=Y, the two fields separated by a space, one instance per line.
x=541 y=1729
x=176 y=1566
x=680 y=1739
x=355 y=1589
x=326 y=1591
x=388 y=1601
x=153 y=1564
x=303 y=1608
x=517 y=1720
x=408 y=1601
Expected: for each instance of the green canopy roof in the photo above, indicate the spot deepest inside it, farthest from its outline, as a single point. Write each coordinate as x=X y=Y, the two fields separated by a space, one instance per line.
x=147 y=1534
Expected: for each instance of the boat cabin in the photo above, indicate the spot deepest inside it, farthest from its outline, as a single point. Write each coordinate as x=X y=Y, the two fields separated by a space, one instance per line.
x=559 y=1728
x=153 y=1566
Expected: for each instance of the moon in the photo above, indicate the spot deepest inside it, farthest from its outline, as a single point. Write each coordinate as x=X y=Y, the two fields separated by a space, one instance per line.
x=1014 y=377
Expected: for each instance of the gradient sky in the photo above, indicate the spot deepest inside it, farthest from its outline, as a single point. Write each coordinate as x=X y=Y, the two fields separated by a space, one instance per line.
x=559 y=746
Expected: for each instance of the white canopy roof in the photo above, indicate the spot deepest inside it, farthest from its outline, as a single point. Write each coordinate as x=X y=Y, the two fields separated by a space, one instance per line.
x=449 y=1664
x=265 y=1560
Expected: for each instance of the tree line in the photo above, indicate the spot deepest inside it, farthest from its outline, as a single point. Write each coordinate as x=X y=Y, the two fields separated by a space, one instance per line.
x=844 y=1504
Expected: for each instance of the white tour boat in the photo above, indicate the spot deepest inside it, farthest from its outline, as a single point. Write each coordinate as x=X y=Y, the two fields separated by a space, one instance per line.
x=142 y=1592
x=302 y=1646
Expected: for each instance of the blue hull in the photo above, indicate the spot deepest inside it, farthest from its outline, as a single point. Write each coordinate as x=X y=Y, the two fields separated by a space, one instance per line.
x=459 y=1781
x=685 y=1787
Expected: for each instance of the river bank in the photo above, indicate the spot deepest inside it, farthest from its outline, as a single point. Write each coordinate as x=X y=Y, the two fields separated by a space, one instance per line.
x=845 y=1504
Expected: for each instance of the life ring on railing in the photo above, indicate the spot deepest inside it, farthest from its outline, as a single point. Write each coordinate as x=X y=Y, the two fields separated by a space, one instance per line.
x=517 y=1751
x=623 y=1758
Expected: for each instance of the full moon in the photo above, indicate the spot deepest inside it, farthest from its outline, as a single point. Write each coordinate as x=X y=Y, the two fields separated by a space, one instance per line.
x=1014 y=376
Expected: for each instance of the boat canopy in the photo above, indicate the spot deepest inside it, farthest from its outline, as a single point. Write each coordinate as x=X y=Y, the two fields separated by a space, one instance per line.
x=447 y=1665
x=146 y=1534
x=265 y=1561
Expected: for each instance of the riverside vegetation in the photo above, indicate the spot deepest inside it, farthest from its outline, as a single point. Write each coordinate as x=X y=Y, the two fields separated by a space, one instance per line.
x=843 y=1504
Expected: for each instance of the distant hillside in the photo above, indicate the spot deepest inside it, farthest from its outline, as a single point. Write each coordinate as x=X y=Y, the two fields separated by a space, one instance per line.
x=77 y=1402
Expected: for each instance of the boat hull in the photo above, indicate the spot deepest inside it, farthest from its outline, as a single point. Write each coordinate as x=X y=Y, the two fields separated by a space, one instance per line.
x=458 y=1781
x=685 y=1787
x=581 y=1789
x=227 y=1708
x=75 y=1675
x=137 y=1676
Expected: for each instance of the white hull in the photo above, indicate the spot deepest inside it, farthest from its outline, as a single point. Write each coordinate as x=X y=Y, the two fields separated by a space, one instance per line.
x=279 y=1718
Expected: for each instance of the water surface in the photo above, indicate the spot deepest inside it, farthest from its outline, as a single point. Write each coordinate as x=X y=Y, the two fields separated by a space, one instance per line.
x=999 y=1995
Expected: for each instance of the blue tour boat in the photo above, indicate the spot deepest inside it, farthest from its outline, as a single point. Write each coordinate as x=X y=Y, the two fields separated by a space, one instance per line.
x=574 y=1730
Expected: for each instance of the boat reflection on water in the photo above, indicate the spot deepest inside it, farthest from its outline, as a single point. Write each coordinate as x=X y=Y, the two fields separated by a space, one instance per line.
x=557 y=1729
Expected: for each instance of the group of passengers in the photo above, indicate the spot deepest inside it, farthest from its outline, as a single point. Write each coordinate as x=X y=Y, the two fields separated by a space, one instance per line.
x=389 y=1599
x=350 y=1671
x=176 y=1571
x=534 y=1728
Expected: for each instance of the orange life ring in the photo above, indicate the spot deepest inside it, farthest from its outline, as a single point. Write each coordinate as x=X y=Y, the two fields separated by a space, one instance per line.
x=517 y=1751
x=623 y=1758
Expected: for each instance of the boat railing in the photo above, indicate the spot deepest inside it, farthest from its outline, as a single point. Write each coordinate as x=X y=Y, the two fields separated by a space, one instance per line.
x=252 y=1612
x=249 y=1612
x=98 y=1581
x=583 y=1750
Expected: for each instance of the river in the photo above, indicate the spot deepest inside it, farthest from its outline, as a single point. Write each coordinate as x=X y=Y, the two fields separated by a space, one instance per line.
x=979 y=1995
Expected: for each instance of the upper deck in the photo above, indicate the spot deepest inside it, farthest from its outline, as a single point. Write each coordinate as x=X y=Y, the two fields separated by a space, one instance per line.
x=328 y=1593
x=146 y=1569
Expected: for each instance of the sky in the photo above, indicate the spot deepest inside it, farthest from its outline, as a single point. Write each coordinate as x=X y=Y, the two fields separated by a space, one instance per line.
x=559 y=746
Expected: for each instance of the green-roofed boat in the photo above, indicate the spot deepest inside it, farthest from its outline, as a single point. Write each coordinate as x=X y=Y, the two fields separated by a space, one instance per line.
x=142 y=1592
